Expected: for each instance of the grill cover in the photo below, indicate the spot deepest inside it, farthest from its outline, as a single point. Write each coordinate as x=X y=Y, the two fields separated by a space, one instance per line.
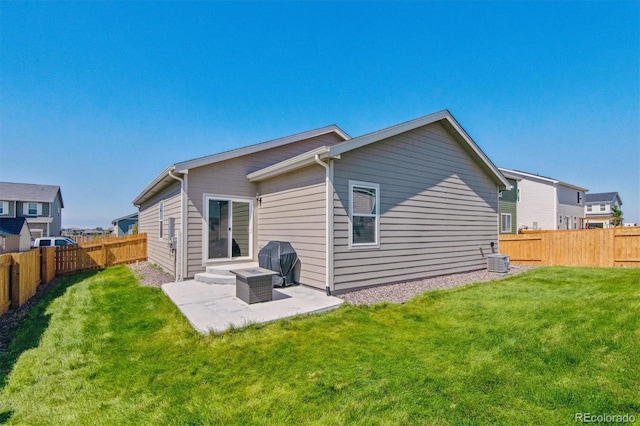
x=280 y=257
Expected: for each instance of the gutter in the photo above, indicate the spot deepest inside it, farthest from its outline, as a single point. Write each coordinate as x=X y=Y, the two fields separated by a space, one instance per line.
x=181 y=239
x=328 y=222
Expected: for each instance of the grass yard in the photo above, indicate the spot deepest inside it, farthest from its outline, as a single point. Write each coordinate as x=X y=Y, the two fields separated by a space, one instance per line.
x=531 y=349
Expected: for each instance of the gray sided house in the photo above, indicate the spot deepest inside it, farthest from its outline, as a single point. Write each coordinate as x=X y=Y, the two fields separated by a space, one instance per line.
x=508 y=207
x=40 y=205
x=410 y=201
x=124 y=225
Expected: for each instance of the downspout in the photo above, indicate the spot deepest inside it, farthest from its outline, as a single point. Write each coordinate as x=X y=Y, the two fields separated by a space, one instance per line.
x=328 y=224
x=180 y=249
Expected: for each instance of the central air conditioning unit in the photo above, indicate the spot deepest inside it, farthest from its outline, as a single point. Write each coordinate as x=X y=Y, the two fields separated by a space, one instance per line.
x=498 y=263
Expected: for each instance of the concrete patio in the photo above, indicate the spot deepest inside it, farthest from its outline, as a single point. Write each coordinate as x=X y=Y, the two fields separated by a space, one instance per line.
x=215 y=307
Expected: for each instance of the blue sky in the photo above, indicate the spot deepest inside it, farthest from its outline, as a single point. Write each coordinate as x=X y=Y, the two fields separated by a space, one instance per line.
x=99 y=97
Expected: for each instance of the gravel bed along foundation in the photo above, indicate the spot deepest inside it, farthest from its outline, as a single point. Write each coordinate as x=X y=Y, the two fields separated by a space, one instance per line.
x=150 y=275
x=403 y=291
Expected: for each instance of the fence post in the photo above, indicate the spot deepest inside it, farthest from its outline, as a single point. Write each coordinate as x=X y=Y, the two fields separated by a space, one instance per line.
x=15 y=284
x=104 y=255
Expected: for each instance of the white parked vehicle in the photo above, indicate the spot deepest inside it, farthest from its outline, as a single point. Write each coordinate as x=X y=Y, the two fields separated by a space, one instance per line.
x=52 y=242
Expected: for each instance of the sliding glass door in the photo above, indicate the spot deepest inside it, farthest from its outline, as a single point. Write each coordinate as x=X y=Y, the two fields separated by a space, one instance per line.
x=229 y=228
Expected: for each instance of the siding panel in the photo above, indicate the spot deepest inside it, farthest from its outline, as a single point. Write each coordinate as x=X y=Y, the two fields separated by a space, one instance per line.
x=229 y=178
x=293 y=209
x=158 y=250
x=437 y=207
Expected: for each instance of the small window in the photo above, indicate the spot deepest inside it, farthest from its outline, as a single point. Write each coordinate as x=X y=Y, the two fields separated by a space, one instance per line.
x=32 y=209
x=505 y=222
x=364 y=214
x=4 y=207
x=45 y=243
x=161 y=218
x=590 y=208
x=602 y=207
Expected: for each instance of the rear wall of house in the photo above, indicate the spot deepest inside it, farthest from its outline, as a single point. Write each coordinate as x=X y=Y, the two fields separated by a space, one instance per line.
x=437 y=206
x=293 y=209
x=158 y=250
x=228 y=178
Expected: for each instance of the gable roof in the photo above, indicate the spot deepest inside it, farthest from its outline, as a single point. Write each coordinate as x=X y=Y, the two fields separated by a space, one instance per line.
x=11 y=225
x=165 y=177
x=603 y=196
x=517 y=174
x=444 y=117
x=29 y=192
x=129 y=216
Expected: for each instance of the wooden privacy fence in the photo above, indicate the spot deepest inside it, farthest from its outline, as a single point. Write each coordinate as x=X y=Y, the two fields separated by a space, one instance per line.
x=21 y=273
x=5 y=282
x=583 y=247
x=101 y=254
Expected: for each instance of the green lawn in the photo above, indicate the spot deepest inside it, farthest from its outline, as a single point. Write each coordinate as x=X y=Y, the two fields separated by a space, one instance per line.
x=531 y=349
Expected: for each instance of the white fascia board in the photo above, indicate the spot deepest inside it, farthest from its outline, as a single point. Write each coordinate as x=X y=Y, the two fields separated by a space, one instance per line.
x=215 y=158
x=524 y=175
x=369 y=138
x=149 y=190
x=476 y=149
x=568 y=185
x=288 y=165
x=39 y=219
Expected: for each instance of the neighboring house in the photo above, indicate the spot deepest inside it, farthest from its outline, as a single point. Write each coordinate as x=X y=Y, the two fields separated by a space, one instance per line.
x=124 y=225
x=14 y=235
x=508 y=208
x=414 y=200
x=546 y=203
x=40 y=205
x=598 y=211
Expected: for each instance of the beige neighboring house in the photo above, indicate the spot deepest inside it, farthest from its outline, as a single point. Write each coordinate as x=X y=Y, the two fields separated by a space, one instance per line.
x=40 y=205
x=15 y=236
x=410 y=201
x=598 y=209
x=547 y=203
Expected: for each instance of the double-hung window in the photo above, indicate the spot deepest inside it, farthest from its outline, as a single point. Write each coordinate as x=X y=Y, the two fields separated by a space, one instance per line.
x=364 y=214
x=32 y=209
x=505 y=222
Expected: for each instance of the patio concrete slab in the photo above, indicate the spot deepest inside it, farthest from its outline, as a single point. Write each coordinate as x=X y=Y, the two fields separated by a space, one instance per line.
x=215 y=308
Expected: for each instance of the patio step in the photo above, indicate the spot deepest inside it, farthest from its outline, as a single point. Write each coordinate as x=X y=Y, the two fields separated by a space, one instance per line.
x=223 y=279
x=221 y=274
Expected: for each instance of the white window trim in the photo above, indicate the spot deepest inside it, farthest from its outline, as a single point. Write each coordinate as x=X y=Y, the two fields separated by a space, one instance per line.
x=4 y=206
x=506 y=231
x=368 y=185
x=161 y=220
x=205 y=228
x=25 y=209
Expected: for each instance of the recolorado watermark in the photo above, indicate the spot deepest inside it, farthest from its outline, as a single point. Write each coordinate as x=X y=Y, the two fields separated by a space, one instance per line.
x=604 y=418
